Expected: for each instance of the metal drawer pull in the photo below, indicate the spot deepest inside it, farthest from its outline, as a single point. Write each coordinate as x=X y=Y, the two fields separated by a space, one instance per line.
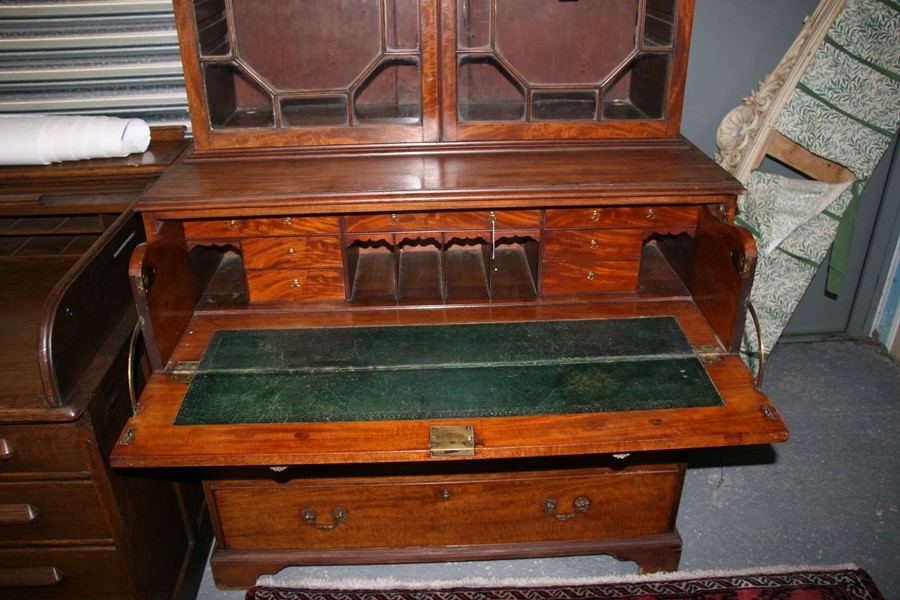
x=295 y=283
x=7 y=449
x=651 y=215
x=291 y=252
x=594 y=244
x=591 y=276
x=287 y=222
x=582 y=504
x=595 y=216
x=339 y=514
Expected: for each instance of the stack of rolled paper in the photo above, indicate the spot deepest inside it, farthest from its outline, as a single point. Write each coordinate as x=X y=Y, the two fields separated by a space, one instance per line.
x=41 y=140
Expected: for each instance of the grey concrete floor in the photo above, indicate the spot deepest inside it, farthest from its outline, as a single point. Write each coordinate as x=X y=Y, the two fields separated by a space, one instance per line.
x=830 y=495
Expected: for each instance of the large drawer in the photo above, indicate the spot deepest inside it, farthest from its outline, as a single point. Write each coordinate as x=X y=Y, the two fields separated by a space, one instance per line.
x=41 y=449
x=60 y=573
x=51 y=512
x=460 y=510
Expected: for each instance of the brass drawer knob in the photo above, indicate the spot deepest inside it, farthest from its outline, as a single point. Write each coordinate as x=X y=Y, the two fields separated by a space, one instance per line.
x=581 y=505
x=591 y=276
x=395 y=220
x=295 y=283
x=309 y=516
x=232 y=224
x=595 y=216
x=594 y=244
x=651 y=215
x=292 y=253
x=287 y=222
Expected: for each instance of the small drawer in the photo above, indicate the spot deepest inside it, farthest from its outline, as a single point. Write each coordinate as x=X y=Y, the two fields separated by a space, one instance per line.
x=621 y=216
x=48 y=512
x=295 y=285
x=277 y=226
x=213 y=229
x=592 y=244
x=290 y=252
x=60 y=573
x=42 y=449
x=588 y=277
x=445 y=221
x=274 y=226
x=462 y=510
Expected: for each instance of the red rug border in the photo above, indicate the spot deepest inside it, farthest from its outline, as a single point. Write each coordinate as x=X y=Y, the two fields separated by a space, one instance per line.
x=666 y=584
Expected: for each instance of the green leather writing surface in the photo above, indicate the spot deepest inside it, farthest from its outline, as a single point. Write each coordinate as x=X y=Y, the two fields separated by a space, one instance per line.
x=445 y=371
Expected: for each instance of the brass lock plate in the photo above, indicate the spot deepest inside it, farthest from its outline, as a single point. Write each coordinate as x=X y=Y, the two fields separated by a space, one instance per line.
x=452 y=441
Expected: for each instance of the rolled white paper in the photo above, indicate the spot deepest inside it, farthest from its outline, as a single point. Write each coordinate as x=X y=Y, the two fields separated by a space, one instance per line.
x=41 y=140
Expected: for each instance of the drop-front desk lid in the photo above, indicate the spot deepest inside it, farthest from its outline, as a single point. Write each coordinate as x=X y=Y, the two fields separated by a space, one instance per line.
x=416 y=392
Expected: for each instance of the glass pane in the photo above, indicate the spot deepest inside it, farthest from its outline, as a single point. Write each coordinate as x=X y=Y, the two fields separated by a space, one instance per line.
x=212 y=28
x=315 y=111
x=564 y=106
x=640 y=92
x=659 y=23
x=308 y=45
x=554 y=42
x=235 y=99
x=474 y=23
x=487 y=92
x=402 y=24
x=390 y=94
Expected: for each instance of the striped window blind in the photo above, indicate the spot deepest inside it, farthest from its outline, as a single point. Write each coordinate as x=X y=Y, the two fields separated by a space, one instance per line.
x=91 y=57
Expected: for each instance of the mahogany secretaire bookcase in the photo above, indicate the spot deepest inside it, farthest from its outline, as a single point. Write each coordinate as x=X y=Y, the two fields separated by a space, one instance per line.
x=440 y=281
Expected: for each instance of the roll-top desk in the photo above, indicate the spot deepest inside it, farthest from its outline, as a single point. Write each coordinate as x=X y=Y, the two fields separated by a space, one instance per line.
x=71 y=526
x=440 y=281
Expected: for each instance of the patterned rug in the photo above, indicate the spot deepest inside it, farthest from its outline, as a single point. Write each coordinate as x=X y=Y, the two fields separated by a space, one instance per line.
x=825 y=583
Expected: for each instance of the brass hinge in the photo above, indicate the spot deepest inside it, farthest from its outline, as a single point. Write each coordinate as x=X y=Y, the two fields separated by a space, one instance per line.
x=454 y=440
x=708 y=355
x=184 y=371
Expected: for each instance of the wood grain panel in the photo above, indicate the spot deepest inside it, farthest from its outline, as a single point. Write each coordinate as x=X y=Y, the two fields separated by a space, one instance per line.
x=292 y=252
x=589 y=277
x=621 y=216
x=444 y=221
x=592 y=244
x=295 y=285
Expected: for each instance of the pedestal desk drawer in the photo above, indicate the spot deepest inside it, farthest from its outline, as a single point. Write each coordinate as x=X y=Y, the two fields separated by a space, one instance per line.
x=586 y=277
x=41 y=449
x=445 y=221
x=60 y=573
x=458 y=511
x=621 y=216
x=295 y=285
x=592 y=244
x=296 y=251
x=41 y=512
